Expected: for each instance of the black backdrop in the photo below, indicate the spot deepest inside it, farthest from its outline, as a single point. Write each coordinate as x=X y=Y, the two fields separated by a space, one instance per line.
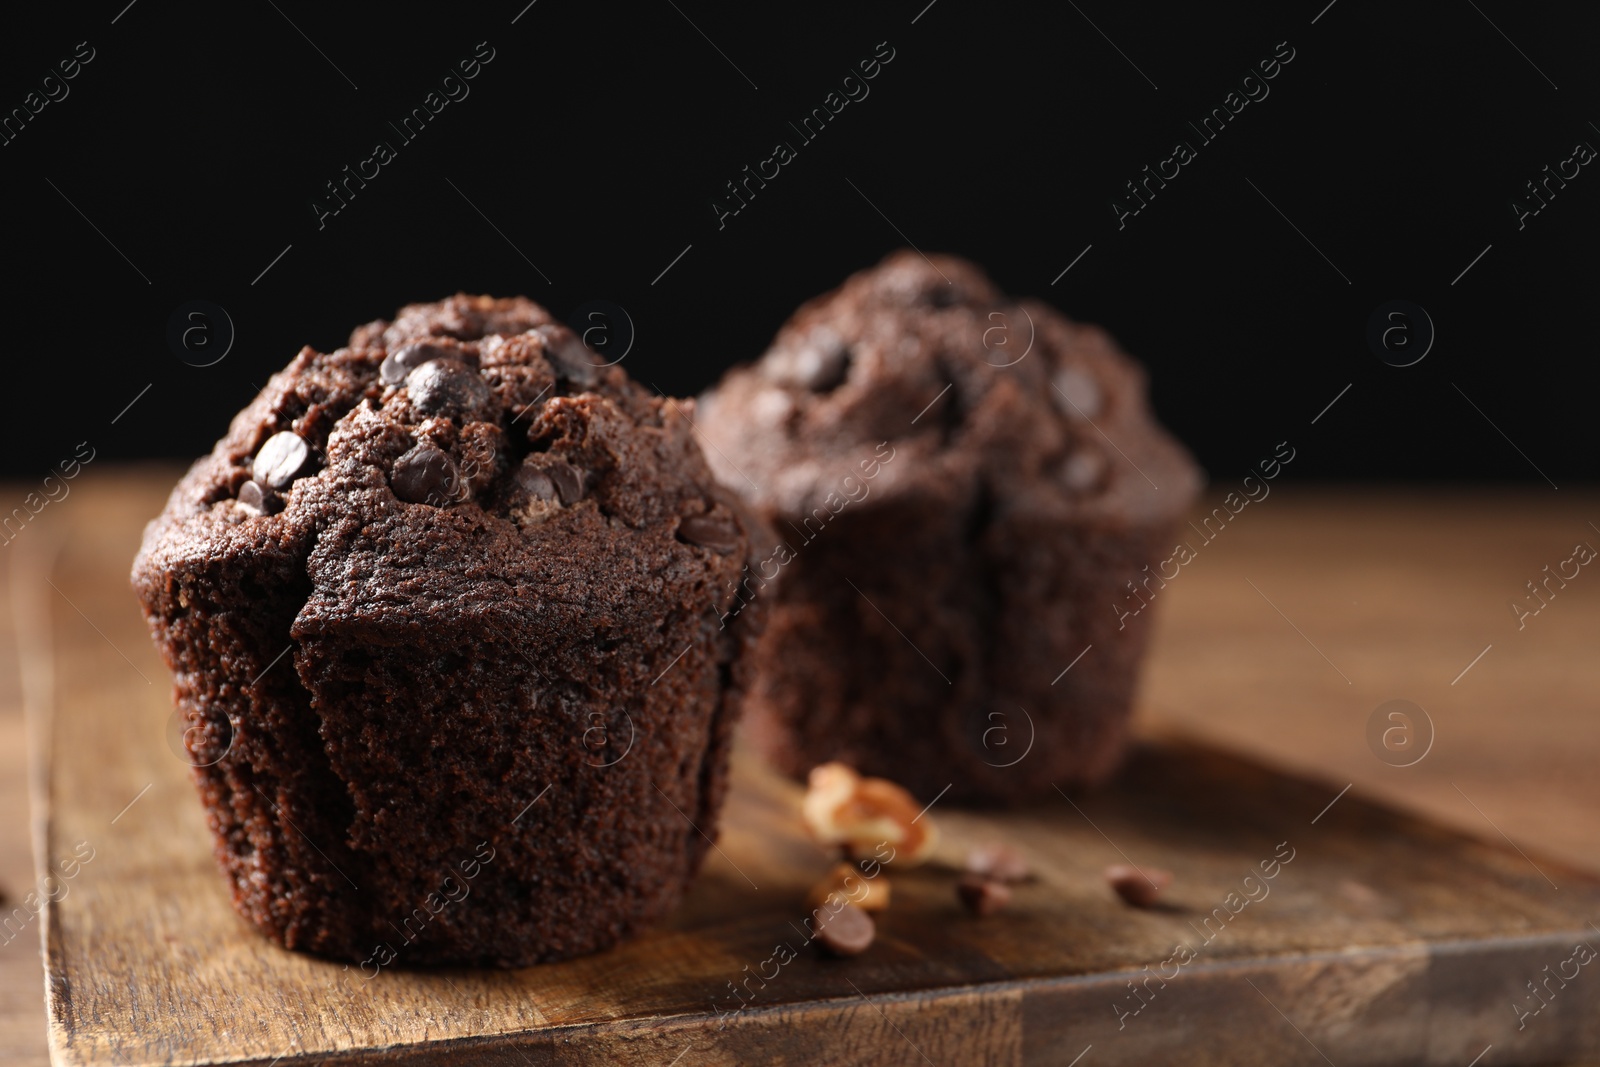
x=182 y=160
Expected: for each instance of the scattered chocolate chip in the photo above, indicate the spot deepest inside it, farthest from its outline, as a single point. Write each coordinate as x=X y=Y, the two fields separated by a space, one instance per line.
x=708 y=531
x=407 y=358
x=844 y=932
x=568 y=481
x=281 y=460
x=1138 y=886
x=1076 y=394
x=260 y=500
x=447 y=387
x=424 y=475
x=569 y=355
x=943 y=296
x=982 y=896
x=999 y=862
x=536 y=483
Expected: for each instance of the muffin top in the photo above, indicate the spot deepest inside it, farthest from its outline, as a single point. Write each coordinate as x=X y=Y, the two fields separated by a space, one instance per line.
x=469 y=453
x=977 y=395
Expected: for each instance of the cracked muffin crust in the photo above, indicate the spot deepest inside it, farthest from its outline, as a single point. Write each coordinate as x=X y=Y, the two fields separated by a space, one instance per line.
x=443 y=601
x=964 y=486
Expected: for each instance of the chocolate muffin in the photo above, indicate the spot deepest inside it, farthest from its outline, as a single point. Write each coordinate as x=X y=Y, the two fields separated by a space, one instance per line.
x=967 y=489
x=442 y=609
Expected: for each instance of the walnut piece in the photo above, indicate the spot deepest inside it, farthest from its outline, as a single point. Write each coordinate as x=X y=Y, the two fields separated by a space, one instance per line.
x=870 y=818
x=847 y=884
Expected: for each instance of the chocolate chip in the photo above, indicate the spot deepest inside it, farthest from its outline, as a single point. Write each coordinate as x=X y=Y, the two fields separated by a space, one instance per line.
x=568 y=481
x=281 y=460
x=1000 y=862
x=1076 y=393
x=447 y=387
x=846 y=931
x=1084 y=470
x=424 y=475
x=536 y=483
x=825 y=368
x=820 y=363
x=569 y=355
x=407 y=358
x=983 y=896
x=262 y=501
x=1138 y=886
x=708 y=531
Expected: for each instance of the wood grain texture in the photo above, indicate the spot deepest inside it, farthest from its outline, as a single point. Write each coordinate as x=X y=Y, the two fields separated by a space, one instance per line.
x=1385 y=940
x=25 y=676
x=1401 y=589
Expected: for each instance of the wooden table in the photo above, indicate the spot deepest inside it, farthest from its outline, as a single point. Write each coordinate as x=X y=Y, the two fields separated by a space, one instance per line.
x=1279 y=640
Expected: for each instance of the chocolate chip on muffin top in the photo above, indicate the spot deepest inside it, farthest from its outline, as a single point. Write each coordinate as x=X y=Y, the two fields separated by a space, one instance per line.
x=966 y=486
x=996 y=396
x=413 y=581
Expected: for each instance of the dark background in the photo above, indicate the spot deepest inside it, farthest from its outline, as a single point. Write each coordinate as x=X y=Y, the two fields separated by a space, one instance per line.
x=593 y=144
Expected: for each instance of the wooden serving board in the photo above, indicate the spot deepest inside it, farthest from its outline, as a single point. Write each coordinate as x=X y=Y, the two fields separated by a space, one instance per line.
x=1383 y=939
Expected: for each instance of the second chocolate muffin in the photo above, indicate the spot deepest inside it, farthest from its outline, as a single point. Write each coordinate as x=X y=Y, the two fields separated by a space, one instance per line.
x=965 y=487
x=441 y=613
